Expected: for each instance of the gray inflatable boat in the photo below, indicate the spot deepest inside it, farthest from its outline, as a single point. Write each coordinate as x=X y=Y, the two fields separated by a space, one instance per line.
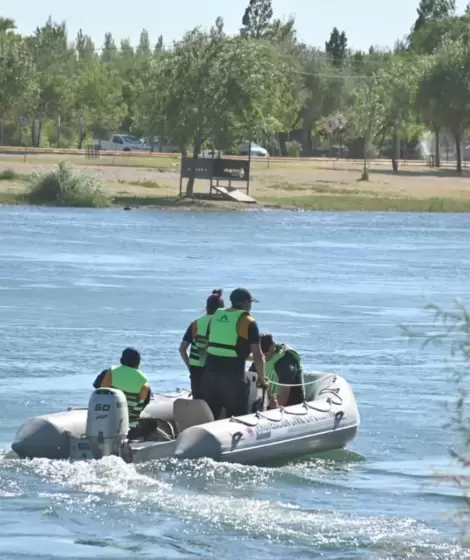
x=182 y=427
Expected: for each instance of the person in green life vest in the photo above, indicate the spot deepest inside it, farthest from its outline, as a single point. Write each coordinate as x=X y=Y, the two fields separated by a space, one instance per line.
x=128 y=378
x=195 y=337
x=233 y=335
x=283 y=367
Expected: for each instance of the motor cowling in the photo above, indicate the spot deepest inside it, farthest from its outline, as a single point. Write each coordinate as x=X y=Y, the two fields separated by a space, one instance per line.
x=107 y=422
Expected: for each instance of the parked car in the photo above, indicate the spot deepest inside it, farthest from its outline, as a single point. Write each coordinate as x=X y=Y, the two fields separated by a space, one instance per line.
x=122 y=143
x=256 y=149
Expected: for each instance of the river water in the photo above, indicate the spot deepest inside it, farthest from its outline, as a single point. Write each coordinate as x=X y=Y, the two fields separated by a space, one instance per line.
x=77 y=286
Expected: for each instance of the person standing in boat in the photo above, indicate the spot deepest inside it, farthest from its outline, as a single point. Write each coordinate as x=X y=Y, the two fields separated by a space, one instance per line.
x=233 y=335
x=196 y=337
x=283 y=371
x=128 y=378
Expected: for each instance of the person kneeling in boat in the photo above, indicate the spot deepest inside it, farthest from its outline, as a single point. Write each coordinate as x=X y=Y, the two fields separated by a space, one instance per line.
x=283 y=370
x=196 y=335
x=129 y=379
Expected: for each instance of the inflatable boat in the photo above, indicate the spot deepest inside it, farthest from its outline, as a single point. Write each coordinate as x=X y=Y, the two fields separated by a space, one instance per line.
x=175 y=425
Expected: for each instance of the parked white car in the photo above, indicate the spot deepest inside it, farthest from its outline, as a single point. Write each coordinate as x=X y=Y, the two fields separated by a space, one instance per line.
x=122 y=143
x=256 y=149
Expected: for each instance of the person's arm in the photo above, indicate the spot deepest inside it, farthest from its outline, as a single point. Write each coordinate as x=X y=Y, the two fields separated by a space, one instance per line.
x=187 y=340
x=99 y=379
x=258 y=357
x=145 y=394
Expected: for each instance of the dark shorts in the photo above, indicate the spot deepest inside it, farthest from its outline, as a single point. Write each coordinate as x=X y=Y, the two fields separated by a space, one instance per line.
x=226 y=390
x=195 y=376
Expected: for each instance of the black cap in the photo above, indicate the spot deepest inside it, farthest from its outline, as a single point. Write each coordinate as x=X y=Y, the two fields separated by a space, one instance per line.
x=241 y=295
x=130 y=357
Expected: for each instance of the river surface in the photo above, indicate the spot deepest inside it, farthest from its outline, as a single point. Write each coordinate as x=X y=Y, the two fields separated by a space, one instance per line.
x=77 y=286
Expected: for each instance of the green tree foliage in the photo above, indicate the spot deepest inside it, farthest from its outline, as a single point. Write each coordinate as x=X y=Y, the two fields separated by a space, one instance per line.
x=336 y=47
x=262 y=83
x=18 y=78
x=257 y=19
x=214 y=88
x=433 y=10
x=451 y=329
x=444 y=91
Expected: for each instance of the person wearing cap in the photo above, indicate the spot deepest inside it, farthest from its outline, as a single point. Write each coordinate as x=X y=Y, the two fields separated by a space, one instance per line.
x=128 y=378
x=196 y=336
x=283 y=370
x=233 y=335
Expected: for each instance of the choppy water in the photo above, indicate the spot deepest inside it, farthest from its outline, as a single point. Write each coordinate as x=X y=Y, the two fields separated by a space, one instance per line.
x=78 y=286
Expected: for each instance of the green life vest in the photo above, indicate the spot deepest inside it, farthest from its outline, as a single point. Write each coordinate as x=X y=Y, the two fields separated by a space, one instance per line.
x=130 y=381
x=270 y=366
x=197 y=354
x=223 y=334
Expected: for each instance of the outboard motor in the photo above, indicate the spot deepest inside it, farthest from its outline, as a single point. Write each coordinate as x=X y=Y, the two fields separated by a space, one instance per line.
x=107 y=422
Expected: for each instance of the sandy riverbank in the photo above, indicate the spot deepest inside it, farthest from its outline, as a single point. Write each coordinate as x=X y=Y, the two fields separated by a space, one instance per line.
x=307 y=185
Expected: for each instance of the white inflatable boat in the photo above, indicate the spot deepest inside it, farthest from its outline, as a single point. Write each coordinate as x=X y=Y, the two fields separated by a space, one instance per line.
x=182 y=427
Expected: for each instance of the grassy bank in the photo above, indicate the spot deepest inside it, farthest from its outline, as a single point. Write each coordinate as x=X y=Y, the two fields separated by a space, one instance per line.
x=359 y=203
x=320 y=202
x=302 y=189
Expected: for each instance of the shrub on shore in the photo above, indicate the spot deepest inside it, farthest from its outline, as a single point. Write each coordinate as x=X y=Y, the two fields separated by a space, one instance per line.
x=8 y=175
x=66 y=187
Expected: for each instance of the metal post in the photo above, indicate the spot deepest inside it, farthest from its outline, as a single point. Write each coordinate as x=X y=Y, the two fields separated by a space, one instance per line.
x=249 y=168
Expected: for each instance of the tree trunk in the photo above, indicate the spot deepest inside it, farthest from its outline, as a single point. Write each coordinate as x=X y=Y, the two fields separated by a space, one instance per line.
x=38 y=138
x=396 y=151
x=458 y=150
x=191 y=179
x=437 y=146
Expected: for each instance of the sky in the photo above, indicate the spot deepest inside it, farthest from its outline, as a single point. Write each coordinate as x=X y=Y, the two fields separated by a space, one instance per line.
x=366 y=22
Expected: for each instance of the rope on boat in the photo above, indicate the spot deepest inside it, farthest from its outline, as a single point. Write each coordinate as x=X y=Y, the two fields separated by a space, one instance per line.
x=307 y=406
x=314 y=382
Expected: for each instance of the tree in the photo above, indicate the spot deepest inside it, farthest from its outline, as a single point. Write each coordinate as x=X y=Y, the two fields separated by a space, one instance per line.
x=98 y=97
x=143 y=49
x=435 y=19
x=430 y=36
x=397 y=85
x=257 y=19
x=444 y=91
x=56 y=62
x=336 y=47
x=433 y=10
x=7 y=25
x=218 y=88
x=18 y=79
x=452 y=328
x=427 y=107
x=159 y=44
x=109 y=52
x=367 y=115
x=84 y=46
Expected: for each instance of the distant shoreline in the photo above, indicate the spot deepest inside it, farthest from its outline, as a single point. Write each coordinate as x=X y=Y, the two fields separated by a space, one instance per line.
x=319 y=204
x=298 y=186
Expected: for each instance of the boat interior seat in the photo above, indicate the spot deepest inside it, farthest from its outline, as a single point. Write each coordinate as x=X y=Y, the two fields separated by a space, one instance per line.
x=191 y=412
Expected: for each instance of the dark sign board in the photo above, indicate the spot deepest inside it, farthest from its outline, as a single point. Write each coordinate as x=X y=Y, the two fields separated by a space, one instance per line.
x=216 y=168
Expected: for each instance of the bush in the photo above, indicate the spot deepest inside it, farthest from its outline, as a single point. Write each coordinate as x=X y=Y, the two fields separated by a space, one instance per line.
x=453 y=328
x=8 y=175
x=293 y=148
x=64 y=187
